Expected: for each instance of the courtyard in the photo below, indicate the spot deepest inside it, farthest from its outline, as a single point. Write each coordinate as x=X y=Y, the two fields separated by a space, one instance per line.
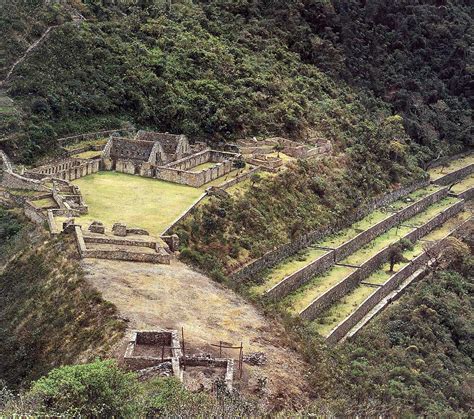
x=147 y=203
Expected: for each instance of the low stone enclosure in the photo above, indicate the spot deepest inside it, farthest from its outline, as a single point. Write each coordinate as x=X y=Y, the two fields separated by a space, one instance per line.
x=153 y=351
x=315 y=147
x=134 y=245
x=393 y=285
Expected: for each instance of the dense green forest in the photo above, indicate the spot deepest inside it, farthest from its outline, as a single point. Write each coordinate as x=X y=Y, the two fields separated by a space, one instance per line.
x=217 y=70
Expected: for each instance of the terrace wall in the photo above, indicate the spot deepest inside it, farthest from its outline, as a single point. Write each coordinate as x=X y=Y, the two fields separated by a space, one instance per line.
x=454 y=176
x=273 y=257
x=351 y=281
x=343 y=328
x=73 y=139
x=467 y=195
x=303 y=275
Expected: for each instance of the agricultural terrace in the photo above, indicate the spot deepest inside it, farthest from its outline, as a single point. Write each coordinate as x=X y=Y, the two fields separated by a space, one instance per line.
x=310 y=254
x=442 y=170
x=319 y=284
x=147 y=203
x=349 y=303
x=464 y=185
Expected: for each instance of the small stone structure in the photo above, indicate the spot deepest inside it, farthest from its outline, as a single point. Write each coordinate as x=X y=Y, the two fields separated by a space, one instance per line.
x=97 y=227
x=314 y=147
x=148 y=351
x=268 y=163
x=181 y=171
x=67 y=169
x=165 y=156
x=119 y=229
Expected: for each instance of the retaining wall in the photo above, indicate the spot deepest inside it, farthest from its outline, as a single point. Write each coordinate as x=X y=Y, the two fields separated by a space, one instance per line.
x=456 y=175
x=273 y=257
x=467 y=194
x=351 y=281
x=343 y=328
x=303 y=275
x=33 y=213
x=14 y=181
x=73 y=139
x=239 y=178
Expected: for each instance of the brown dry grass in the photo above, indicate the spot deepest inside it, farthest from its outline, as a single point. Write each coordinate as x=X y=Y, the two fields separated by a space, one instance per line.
x=159 y=296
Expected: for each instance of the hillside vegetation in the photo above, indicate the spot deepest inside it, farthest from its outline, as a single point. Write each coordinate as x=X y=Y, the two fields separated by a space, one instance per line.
x=221 y=69
x=49 y=315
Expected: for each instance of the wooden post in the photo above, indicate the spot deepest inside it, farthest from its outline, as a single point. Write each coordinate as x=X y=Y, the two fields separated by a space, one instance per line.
x=184 y=349
x=241 y=358
x=220 y=349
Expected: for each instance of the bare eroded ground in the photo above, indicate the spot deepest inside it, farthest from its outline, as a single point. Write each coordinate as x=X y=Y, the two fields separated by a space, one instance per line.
x=159 y=296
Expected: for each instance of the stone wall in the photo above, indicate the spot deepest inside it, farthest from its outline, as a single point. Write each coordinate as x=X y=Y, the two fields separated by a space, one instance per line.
x=33 y=213
x=239 y=178
x=74 y=139
x=387 y=287
x=351 y=281
x=67 y=169
x=194 y=179
x=467 y=194
x=15 y=181
x=454 y=176
x=273 y=257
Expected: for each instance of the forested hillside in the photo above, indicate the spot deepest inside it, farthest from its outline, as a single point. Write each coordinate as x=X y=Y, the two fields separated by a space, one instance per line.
x=223 y=69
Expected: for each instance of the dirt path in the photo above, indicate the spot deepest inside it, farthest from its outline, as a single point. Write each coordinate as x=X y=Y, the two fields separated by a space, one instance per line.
x=153 y=296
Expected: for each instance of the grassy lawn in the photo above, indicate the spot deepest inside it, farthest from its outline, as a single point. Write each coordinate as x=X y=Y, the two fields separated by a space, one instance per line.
x=85 y=143
x=301 y=298
x=376 y=245
x=466 y=184
x=44 y=203
x=431 y=212
x=342 y=309
x=448 y=226
x=87 y=154
x=413 y=197
x=288 y=267
x=151 y=204
x=202 y=166
x=438 y=172
x=347 y=234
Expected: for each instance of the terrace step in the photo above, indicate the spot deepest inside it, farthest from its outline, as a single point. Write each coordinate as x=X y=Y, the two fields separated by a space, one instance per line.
x=387 y=285
x=372 y=256
x=352 y=240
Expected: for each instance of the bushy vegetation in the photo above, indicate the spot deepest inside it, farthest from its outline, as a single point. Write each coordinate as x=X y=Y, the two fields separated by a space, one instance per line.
x=226 y=233
x=102 y=389
x=49 y=314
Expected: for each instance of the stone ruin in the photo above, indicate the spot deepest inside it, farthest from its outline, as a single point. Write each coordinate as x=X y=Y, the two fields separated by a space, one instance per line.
x=167 y=157
x=251 y=147
x=160 y=352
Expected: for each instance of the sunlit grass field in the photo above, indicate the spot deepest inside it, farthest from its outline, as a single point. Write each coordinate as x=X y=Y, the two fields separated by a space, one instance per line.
x=151 y=204
x=440 y=171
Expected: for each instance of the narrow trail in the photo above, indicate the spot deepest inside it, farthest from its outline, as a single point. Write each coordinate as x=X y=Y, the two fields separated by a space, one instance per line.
x=22 y=58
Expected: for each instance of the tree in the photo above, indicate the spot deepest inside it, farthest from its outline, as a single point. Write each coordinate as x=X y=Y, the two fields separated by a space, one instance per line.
x=278 y=147
x=396 y=252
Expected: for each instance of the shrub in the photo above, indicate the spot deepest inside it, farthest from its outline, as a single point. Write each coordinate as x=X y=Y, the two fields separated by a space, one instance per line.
x=96 y=389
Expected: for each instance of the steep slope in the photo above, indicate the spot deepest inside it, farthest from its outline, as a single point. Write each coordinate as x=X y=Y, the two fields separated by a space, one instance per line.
x=49 y=315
